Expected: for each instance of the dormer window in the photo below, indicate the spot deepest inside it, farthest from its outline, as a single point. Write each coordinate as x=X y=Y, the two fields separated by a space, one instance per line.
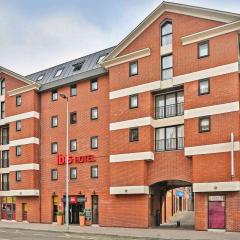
x=166 y=33
x=78 y=66
x=40 y=77
x=58 y=73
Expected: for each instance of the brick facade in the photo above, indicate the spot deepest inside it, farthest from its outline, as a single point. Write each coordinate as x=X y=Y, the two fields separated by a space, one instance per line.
x=147 y=189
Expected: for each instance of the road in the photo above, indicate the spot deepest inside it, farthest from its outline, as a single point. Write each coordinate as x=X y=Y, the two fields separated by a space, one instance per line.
x=12 y=234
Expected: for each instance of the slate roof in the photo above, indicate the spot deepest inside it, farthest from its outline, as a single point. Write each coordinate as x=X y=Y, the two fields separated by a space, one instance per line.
x=90 y=68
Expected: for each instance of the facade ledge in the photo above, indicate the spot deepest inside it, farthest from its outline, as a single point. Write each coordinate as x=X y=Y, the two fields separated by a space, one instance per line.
x=19 y=193
x=210 y=33
x=24 y=141
x=165 y=122
x=134 y=90
x=206 y=73
x=217 y=187
x=2 y=98
x=4 y=147
x=211 y=148
x=127 y=58
x=211 y=110
x=24 y=89
x=128 y=157
x=24 y=167
x=129 y=190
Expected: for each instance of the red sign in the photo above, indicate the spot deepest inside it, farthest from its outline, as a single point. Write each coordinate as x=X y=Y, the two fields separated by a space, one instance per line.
x=61 y=159
x=73 y=200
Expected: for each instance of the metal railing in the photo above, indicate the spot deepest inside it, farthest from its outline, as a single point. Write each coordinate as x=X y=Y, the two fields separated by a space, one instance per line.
x=169 y=111
x=5 y=140
x=4 y=163
x=5 y=186
x=169 y=144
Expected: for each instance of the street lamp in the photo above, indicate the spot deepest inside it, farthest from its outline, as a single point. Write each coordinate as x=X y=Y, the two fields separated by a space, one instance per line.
x=67 y=168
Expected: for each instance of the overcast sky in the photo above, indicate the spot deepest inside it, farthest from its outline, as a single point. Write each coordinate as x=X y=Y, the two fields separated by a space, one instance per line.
x=37 y=34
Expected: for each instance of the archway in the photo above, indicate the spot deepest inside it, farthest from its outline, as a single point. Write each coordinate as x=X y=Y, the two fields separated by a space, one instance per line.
x=172 y=204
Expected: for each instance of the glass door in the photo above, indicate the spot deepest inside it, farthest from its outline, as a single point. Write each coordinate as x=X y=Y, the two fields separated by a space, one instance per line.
x=95 y=209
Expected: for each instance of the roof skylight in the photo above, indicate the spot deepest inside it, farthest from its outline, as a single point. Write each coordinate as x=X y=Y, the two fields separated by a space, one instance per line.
x=58 y=73
x=40 y=77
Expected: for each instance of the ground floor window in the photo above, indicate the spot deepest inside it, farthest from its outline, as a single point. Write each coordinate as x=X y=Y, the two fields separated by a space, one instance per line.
x=8 y=208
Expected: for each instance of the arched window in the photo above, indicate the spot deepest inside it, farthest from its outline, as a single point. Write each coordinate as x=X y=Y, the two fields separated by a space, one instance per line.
x=166 y=33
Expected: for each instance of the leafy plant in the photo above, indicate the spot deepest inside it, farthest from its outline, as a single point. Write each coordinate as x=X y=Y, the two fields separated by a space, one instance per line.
x=60 y=213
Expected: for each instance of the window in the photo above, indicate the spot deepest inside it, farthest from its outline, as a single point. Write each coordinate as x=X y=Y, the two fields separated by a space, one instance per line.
x=5 y=159
x=73 y=90
x=100 y=58
x=78 y=66
x=166 y=33
x=167 y=67
x=54 y=147
x=18 y=125
x=40 y=77
x=73 y=173
x=2 y=110
x=73 y=118
x=18 y=176
x=169 y=138
x=54 y=174
x=203 y=49
x=18 y=101
x=5 y=135
x=18 y=151
x=94 y=113
x=54 y=95
x=133 y=134
x=5 y=181
x=54 y=121
x=169 y=105
x=94 y=85
x=94 y=142
x=133 y=101
x=73 y=145
x=204 y=87
x=94 y=171
x=3 y=87
x=133 y=68
x=204 y=124
x=58 y=72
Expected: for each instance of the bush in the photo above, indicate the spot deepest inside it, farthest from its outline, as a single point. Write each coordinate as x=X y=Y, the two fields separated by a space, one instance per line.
x=60 y=213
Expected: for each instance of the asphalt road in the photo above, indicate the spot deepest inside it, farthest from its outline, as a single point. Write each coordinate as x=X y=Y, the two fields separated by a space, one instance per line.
x=12 y=234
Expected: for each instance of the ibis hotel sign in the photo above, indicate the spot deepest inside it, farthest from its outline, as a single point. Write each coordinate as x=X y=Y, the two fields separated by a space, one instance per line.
x=61 y=159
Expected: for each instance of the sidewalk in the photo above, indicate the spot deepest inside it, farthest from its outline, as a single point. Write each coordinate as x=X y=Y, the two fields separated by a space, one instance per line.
x=163 y=233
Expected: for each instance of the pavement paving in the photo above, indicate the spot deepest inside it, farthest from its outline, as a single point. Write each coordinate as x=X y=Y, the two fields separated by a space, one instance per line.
x=93 y=232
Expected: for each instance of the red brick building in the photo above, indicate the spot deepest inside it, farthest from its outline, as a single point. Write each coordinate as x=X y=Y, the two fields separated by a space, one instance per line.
x=157 y=112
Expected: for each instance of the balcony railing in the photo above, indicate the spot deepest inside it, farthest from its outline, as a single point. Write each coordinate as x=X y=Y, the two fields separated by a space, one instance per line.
x=5 y=163
x=169 y=111
x=169 y=144
x=5 y=140
x=5 y=186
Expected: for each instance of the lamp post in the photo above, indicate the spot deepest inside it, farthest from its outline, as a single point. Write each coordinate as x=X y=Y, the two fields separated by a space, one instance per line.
x=67 y=168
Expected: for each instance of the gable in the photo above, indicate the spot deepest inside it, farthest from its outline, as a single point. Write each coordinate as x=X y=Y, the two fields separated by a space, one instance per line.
x=204 y=13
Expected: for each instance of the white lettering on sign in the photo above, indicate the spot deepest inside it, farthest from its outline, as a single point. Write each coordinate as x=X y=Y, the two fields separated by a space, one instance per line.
x=216 y=198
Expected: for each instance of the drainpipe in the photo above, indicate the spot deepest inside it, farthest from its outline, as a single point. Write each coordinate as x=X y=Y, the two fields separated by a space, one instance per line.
x=232 y=155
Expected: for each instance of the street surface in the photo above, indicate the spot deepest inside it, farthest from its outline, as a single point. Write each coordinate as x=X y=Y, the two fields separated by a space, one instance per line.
x=12 y=234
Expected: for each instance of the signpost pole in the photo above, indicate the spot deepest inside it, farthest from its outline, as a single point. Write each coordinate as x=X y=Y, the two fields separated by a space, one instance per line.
x=67 y=163
x=67 y=178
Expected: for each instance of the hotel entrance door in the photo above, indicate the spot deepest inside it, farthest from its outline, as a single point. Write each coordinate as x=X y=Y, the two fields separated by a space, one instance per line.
x=76 y=205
